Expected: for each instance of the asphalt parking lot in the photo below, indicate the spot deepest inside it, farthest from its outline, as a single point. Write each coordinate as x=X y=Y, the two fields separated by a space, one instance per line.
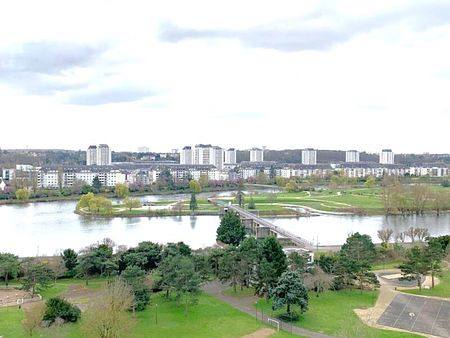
x=418 y=314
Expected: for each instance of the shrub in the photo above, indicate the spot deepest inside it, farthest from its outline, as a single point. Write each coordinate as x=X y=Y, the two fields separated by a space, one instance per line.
x=60 y=308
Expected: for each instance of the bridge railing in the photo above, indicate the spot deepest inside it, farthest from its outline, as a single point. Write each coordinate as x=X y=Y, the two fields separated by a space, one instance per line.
x=272 y=226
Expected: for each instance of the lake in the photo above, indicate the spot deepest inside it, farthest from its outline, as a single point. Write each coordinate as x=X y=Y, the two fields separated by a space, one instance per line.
x=48 y=228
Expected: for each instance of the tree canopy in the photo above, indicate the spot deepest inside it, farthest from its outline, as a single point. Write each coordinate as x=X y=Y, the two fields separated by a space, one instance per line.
x=231 y=230
x=288 y=291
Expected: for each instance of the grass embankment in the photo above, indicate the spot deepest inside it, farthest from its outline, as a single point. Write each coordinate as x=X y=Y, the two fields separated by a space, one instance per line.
x=209 y=318
x=440 y=290
x=332 y=313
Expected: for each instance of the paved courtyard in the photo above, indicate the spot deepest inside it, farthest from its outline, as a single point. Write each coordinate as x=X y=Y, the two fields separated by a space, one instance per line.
x=418 y=314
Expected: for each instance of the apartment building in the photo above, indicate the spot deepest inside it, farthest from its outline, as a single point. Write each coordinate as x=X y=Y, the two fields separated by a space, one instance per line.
x=309 y=156
x=386 y=156
x=256 y=155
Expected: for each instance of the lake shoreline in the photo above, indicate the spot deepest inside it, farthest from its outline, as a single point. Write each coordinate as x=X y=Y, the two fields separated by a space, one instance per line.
x=108 y=195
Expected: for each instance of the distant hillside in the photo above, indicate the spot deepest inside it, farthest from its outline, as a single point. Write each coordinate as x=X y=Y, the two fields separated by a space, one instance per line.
x=336 y=156
x=43 y=157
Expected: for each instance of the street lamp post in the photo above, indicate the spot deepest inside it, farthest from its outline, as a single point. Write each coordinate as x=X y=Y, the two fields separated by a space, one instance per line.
x=156 y=317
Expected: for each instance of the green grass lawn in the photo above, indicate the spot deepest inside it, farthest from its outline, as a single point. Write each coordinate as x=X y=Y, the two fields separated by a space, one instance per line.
x=10 y=323
x=336 y=200
x=209 y=318
x=386 y=265
x=440 y=290
x=332 y=313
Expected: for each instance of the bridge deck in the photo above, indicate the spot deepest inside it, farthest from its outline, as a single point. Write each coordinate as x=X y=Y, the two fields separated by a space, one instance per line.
x=265 y=223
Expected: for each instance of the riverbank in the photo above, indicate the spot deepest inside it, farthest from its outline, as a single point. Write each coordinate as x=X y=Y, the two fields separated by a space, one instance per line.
x=110 y=195
x=171 y=213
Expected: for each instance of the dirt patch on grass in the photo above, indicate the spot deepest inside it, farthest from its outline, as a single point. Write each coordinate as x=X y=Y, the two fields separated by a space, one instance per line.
x=261 y=333
x=80 y=296
x=11 y=296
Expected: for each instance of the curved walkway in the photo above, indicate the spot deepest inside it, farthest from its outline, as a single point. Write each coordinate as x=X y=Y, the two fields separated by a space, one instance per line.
x=247 y=305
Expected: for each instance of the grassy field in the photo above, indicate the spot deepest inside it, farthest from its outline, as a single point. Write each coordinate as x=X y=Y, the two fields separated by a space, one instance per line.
x=209 y=318
x=332 y=313
x=440 y=290
x=332 y=200
x=356 y=200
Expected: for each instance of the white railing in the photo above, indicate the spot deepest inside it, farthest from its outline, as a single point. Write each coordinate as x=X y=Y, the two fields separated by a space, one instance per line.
x=281 y=231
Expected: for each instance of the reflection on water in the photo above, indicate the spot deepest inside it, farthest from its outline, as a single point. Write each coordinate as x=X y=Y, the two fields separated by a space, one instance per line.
x=54 y=226
x=93 y=222
x=330 y=229
x=193 y=220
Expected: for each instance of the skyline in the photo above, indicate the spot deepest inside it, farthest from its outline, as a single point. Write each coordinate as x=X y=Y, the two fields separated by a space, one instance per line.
x=352 y=75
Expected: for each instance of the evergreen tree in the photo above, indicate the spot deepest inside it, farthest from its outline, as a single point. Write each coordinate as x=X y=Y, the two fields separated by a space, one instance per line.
x=36 y=276
x=9 y=266
x=416 y=265
x=193 y=203
x=231 y=230
x=136 y=277
x=289 y=291
x=70 y=258
x=271 y=264
x=96 y=184
x=354 y=261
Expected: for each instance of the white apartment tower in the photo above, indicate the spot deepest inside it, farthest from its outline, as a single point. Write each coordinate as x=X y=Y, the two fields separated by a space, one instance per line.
x=387 y=156
x=103 y=155
x=208 y=154
x=256 y=155
x=352 y=156
x=91 y=155
x=309 y=156
x=201 y=154
x=186 y=156
x=230 y=156
x=216 y=157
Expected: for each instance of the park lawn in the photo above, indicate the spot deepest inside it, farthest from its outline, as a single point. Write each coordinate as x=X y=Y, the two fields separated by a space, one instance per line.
x=10 y=323
x=61 y=286
x=209 y=318
x=440 y=290
x=386 y=265
x=332 y=313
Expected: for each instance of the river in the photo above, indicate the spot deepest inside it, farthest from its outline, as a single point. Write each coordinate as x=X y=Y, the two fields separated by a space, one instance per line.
x=47 y=228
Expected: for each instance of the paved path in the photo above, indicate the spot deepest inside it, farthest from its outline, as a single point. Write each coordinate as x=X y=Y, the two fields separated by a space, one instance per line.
x=246 y=304
x=388 y=312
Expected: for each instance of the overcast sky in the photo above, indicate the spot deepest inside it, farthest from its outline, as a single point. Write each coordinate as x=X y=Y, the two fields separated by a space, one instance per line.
x=360 y=75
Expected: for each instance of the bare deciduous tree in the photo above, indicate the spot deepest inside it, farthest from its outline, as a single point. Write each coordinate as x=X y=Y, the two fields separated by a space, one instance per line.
x=420 y=194
x=400 y=237
x=33 y=318
x=440 y=201
x=385 y=235
x=411 y=233
x=108 y=316
x=421 y=233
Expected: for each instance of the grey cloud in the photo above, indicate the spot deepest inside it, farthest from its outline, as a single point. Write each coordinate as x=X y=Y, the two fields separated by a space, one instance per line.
x=38 y=67
x=47 y=57
x=303 y=33
x=89 y=97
